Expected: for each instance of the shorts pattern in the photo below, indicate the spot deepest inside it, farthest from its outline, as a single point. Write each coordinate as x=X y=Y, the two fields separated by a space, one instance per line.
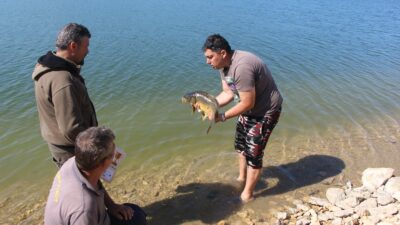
x=252 y=134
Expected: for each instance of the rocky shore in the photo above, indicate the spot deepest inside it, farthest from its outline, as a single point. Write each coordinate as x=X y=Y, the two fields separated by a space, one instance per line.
x=377 y=201
x=200 y=200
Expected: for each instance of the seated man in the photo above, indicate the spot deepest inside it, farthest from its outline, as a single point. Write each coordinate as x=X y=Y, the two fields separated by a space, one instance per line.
x=77 y=195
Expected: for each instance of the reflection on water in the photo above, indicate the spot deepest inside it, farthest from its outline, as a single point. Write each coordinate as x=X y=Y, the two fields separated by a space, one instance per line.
x=336 y=64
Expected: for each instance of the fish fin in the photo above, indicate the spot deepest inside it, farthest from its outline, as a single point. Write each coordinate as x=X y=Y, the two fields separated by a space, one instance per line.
x=193 y=108
x=209 y=128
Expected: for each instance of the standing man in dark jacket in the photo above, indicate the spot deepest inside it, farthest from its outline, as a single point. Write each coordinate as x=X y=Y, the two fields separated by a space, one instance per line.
x=63 y=103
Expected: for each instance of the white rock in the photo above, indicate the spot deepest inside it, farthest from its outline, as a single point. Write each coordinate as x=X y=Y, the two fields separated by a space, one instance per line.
x=396 y=196
x=348 y=203
x=393 y=185
x=302 y=207
x=365 y=205
x=313 y=214
x=334 y=208
x=385 y=223
x=366 y=221
x=348 y=221
x=281 y=215
x=343 y=213
x=373 y=178
x=337 y=221
x=384 y=198
x=384 y=211
x=319 y=202
x=303 y=221
x=360 y=193
x=335 y=194
x=325 y=216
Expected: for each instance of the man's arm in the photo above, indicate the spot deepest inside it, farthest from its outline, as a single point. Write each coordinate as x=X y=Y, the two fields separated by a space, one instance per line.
x=68 y=113
x=247 y=101
x=119 y=211
x=226 y=96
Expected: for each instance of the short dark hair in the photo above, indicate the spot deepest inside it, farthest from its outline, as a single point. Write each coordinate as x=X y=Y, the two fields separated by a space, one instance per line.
x=215 y=43
x=71 y=32
x=93 y=146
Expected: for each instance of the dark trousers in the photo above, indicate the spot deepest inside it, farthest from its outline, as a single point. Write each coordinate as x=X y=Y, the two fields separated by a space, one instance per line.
x=139 y=217
x=61 y=153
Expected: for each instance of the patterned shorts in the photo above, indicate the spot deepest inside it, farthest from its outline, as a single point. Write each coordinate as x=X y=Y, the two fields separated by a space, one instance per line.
x=252 y=134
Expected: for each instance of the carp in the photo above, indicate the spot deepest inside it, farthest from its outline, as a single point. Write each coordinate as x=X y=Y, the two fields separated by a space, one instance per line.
x=205 y=103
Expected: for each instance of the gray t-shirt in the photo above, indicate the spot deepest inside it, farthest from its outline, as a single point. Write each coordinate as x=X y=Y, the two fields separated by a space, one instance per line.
x=73 y=200
x=247 y=71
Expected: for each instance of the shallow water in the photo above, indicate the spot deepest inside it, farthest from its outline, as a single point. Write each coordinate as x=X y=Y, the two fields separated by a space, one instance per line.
x=336 y=64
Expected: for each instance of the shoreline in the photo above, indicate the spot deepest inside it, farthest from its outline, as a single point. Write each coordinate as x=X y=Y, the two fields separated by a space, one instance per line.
x=200 y=187
x=191 y=199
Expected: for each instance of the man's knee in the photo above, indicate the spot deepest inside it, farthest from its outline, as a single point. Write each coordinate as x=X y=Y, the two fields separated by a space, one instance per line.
x=139 y=217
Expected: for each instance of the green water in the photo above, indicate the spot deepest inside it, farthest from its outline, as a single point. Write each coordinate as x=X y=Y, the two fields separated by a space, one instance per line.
x=336 y=64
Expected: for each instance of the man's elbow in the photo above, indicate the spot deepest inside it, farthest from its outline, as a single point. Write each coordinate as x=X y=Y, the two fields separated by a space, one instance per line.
x=249 y=106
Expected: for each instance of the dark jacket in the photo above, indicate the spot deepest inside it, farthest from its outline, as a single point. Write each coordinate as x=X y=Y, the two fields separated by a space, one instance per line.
x=63 y=103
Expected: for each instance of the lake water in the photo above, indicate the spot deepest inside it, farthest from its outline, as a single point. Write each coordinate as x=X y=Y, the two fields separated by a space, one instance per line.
x=337 y=64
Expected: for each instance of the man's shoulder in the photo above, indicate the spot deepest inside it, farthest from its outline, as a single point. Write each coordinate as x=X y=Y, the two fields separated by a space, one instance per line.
x=57 y=79
x=247 y=57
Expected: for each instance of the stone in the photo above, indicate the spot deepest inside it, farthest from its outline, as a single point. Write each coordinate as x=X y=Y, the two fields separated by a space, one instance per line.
x=343 y=213
x=384 y=211
x=348 y=203
x=281 y=215
x=303 y=221
x=335 y=194
x=325 y=216
x=384 y=198
x=319 y=202
x=361 y=193
x=373 y=178
x=366 y=221
x=313 y=215
x=337 y=221
x=396 y=196
x=365 y=205
x=334 y=208
x=393 y=185
x=302 y=207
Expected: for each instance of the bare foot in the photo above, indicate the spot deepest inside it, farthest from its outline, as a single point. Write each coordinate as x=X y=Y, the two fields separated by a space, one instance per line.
x=240 y=179
x=245 y=198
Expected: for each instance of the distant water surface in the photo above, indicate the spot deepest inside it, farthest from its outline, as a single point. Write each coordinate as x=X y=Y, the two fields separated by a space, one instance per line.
x=337 y=64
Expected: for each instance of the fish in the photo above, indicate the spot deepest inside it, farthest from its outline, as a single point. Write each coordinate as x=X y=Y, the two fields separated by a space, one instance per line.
x=206 y=104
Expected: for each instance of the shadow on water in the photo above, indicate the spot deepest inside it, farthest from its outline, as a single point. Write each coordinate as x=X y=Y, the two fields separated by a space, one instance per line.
x=212 y=202
x=206 y=202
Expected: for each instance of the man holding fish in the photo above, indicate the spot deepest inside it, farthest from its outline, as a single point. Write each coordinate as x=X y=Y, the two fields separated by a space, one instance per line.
x=247 y=81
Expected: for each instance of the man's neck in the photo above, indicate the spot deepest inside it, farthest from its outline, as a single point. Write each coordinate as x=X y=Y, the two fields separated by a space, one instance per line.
x=228 y=61
x=92 y=176
x=65 y=55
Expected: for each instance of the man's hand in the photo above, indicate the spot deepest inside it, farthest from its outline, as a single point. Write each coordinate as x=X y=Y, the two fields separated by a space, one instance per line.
x=121 y=212
x=220 y=117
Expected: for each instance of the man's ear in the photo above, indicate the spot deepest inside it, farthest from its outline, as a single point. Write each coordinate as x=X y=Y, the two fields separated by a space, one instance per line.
x=223 y=53
x=73 y=45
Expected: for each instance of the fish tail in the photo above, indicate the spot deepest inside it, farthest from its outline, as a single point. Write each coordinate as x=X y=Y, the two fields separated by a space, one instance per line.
x=209 y=128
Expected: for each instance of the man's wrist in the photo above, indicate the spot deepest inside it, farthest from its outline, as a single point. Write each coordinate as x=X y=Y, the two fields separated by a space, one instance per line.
x=222 y=116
